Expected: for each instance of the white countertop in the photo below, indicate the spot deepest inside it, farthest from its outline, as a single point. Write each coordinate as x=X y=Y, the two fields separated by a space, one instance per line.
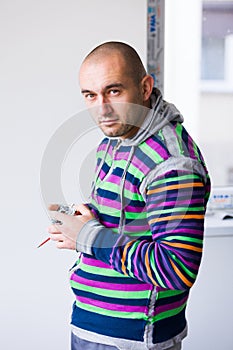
x=216 y=226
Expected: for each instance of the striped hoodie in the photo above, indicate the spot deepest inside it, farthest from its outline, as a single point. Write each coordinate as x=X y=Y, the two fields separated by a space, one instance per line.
x=141 y=255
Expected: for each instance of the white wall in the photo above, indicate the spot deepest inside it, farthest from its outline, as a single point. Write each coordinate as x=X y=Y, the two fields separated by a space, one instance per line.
x=42 y=45
x=182 y=59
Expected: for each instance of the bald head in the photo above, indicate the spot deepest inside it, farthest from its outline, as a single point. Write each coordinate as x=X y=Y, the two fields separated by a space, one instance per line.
x=133 y=64
x=114 y=84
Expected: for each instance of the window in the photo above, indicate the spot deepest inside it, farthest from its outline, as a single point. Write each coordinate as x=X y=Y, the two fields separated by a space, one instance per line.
x=217 y=46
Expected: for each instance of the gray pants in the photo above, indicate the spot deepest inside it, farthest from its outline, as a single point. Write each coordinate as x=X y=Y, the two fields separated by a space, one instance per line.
x=81 y=344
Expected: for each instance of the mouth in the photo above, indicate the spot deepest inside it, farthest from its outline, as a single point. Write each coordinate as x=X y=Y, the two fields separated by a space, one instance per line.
x=108 y=122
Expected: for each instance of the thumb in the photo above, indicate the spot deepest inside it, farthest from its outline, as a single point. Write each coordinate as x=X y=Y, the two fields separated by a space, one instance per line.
x=82 y=209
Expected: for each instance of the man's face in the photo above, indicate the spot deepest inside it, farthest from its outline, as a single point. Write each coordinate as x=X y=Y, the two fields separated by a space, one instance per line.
x=112 y=96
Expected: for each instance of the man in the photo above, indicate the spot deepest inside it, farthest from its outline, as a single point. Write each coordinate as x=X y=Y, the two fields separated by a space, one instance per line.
x=141 y=235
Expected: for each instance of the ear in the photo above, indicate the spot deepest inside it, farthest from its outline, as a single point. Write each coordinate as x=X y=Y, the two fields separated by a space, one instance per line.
x=147 y=85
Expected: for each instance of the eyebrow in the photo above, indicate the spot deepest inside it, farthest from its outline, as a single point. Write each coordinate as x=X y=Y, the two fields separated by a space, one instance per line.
x=107 y=87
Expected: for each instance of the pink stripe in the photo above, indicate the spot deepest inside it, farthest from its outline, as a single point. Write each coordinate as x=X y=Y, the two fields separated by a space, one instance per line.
x=102 y=174
x=112 y=203
x=130 y=209
x=96 y=263
x=171 y=306
x=109 y=224
x=140 y=165
x=158 y=148
x=122 y=156
x=103 y=147
x=190 y=147
x=114 y=307
x=111 y=286
x=137 y=228
x=114 y=179
x=130 y=187
x=178 y=231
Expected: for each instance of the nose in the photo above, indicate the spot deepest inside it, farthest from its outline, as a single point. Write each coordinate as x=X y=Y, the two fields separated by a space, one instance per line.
x=105 y=108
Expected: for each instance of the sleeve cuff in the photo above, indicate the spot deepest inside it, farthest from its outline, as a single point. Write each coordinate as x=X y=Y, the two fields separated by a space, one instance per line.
x=97 y=240
x=87 y=236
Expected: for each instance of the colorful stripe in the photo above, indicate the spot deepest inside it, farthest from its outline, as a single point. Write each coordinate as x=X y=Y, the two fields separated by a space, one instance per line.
x=161 y=244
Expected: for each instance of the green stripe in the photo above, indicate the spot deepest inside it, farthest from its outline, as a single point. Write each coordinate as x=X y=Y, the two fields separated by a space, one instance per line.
x=136 y=172
x=131 y=195
x=168 y=293
x=186 y=239
x=101 y=154
x=151 y=153
x=100 y=271
x=133 y=215
x=130 y=253
x=173 y=179
x=110 y=186
x=111 y=293
x=153 y=266
x=179 y=129
x=173 y=210
x=112 y=313
x=168 y=313
x=104 y=209
x=137 y=234
x=188 y=272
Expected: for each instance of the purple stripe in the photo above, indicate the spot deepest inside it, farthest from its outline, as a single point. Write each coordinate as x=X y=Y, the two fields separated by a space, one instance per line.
x=173 y=224
x=171 y=306
x=113 y=307
x=158 y=148
x=137 y=261
x=196 y=224
x=174 y=203
x=167 y=233
x=168 y=268
x=157 y=253
x=190 y=147
x=187 y=262
x=111 y=286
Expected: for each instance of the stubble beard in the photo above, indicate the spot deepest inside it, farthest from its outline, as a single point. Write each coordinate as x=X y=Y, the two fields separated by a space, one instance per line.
x=121 y=131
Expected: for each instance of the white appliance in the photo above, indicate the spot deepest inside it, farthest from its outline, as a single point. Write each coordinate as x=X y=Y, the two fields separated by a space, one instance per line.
x=210 y=310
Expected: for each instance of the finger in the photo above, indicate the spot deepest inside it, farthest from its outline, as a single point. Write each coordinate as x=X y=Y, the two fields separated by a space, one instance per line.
x=53 y=229
x=65 y=245
x=57 y=216
x=57 y=237
x=82 y=209
x=60 y=245
x=53 y=207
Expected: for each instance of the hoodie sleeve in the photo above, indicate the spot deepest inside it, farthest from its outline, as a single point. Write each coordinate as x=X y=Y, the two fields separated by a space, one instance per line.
x=171 y=256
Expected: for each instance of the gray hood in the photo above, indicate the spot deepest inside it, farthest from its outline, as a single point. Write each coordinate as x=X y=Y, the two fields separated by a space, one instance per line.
x=157 y=117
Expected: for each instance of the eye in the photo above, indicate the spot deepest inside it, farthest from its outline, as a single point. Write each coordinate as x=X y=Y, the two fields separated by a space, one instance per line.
x=89 y=96
x=114 y=92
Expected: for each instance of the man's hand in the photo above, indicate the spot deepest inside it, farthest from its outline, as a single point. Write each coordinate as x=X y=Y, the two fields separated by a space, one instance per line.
x=65 y=235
